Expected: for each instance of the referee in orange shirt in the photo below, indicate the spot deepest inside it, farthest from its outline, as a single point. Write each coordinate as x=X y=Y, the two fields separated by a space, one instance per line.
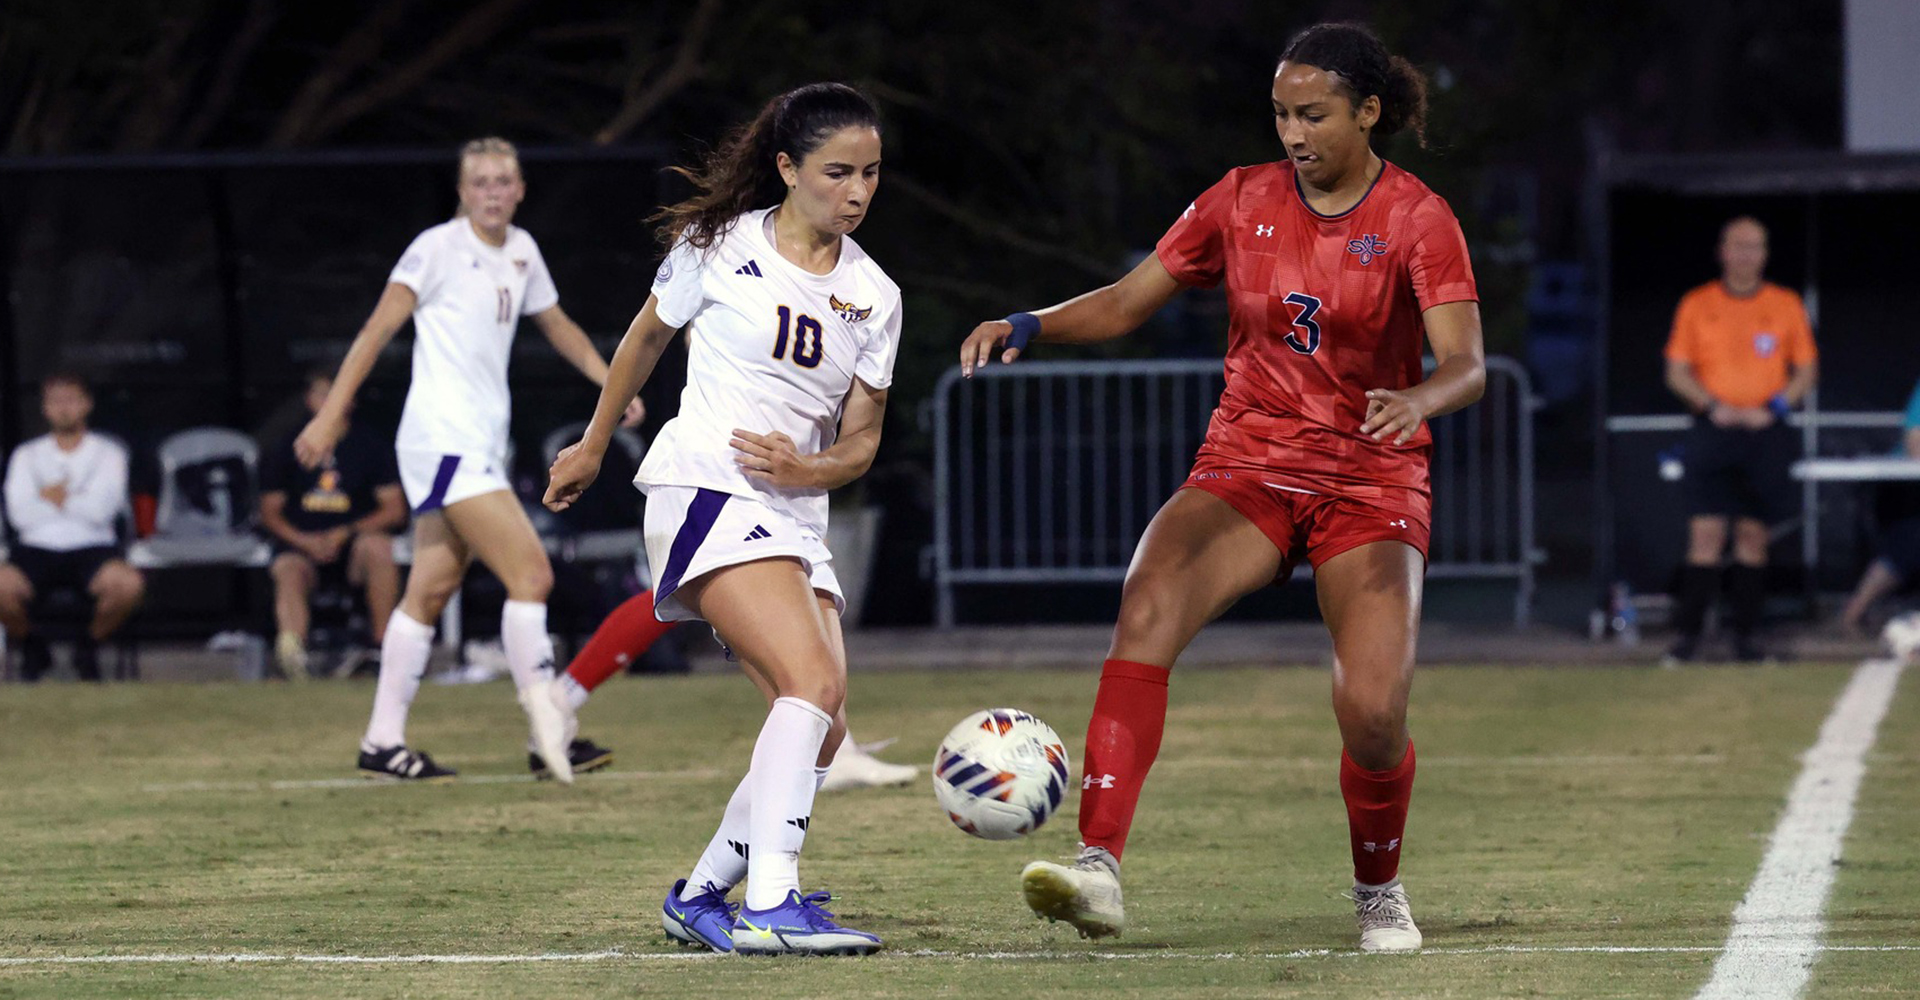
x=1741 y=357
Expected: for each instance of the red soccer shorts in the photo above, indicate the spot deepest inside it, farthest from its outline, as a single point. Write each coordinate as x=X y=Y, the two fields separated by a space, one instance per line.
x=1317 y=525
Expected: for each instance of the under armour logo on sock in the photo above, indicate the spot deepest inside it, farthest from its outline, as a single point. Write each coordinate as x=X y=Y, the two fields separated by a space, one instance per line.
x=801 y=822
x=738 y=848
x=1370 y=847
x=1104 y=781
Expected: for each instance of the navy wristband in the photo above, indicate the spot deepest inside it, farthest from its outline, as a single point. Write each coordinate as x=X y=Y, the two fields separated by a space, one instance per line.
x=1778 y=404
x=1026 y=326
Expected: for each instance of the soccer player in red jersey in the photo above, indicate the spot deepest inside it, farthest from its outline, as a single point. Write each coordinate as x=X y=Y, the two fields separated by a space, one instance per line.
x=1335 y=263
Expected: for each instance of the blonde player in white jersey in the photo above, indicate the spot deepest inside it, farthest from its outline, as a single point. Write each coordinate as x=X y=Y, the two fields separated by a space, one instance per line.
x=792 y=332
x=465 y=283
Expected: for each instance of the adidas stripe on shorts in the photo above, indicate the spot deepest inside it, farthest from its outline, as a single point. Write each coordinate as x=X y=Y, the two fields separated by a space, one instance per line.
x=691 y=531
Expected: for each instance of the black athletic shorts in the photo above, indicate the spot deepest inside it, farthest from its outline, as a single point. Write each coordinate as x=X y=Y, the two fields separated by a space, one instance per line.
x=1734 y=472
x=330 y=576
x=61 y=569
x=1901 y=548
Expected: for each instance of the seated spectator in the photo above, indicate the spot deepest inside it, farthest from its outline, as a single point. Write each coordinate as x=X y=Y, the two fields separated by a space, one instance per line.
x=1899 y=558
x=333 y=523
x=65 y=494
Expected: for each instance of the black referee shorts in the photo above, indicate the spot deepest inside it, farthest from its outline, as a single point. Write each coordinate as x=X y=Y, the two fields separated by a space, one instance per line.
x=1734 y=472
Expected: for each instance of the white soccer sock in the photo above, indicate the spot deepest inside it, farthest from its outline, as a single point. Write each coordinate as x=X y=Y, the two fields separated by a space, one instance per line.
x=571 y=690
x=782 y=785
x=724 y=862
x=403 y=661
x=523 y=631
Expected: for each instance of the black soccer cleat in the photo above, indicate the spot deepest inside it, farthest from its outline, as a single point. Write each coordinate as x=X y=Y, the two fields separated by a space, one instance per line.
x=583 y=754
x=402 y=764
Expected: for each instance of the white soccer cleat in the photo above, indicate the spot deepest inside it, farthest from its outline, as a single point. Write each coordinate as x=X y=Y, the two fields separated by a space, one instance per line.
x=1386 y=921
x=856 y=768
x=549 y=728
x=557 y=694
x=1085 y=894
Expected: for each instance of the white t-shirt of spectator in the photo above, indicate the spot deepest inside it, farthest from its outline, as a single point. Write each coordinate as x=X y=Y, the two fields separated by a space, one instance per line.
x=770 y=347
x=471 y=297
x=95 y=475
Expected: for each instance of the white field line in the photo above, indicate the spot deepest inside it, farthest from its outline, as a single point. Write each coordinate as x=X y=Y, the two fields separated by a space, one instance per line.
x=1302 y=763
x=615 y=955
x=1777 y=927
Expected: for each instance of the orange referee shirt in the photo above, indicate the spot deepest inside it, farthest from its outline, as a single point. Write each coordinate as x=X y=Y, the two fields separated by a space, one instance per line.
x=1740 y=348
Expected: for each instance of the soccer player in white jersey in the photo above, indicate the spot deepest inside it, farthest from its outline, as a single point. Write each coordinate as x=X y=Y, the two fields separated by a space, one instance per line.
x=792 y=332
x=465 y=283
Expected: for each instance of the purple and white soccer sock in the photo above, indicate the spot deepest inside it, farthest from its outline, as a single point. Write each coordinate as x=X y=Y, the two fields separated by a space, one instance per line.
x=723 y=864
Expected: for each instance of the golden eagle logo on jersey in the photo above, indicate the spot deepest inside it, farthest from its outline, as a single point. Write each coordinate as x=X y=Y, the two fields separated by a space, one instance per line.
x=847 y=310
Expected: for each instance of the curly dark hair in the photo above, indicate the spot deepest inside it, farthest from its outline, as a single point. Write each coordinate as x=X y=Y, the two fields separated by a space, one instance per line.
x=1355 y=57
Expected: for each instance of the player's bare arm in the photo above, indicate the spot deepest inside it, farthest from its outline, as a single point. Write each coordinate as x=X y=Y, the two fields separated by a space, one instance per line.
x=772 y=458
x=633 y=361
x=1103 y=314
x=317 y=439
x=573 y=344
x=1458 y=380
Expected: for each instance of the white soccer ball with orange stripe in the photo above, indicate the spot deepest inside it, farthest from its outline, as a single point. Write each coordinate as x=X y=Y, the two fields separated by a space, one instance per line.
x=1001 y=773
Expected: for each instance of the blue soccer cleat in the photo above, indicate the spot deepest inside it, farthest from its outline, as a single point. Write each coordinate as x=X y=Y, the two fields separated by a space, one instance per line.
x=798 y=926
x=705 y=921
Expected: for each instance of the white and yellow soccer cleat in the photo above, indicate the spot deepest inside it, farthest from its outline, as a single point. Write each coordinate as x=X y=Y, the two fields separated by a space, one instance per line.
x=1085 y=894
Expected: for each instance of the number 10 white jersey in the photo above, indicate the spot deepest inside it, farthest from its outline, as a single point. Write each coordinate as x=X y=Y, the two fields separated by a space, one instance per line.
x=770 y=347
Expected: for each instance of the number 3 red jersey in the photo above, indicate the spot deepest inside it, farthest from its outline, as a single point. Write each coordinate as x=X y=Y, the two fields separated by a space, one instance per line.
x=1321 y=309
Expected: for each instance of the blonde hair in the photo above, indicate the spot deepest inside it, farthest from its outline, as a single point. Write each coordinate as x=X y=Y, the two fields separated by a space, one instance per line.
x=491 y=145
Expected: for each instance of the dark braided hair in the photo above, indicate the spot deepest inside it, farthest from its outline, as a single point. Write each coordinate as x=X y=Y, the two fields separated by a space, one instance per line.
x=742 y=174
x=1357 y=59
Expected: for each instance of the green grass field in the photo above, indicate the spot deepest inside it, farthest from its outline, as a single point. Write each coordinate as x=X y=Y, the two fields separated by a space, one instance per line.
x=1570 y=808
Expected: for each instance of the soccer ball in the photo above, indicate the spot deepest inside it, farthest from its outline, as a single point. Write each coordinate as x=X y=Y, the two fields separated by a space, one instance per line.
x=1902 y=635
x=1000 y=773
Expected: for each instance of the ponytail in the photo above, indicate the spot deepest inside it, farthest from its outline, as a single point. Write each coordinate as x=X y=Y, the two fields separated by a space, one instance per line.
x=742 y=174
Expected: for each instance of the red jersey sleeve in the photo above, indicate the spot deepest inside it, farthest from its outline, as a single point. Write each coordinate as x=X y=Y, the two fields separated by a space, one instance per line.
x=1439 y=265
x=1194 y=251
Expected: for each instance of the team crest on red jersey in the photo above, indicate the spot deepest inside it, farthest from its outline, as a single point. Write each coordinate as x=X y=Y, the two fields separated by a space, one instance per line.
x=1367 y=247
x=847 y=310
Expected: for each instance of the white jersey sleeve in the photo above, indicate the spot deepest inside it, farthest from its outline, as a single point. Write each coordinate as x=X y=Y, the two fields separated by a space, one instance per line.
x=421 y=267
x=541 y=295
x=875 y=364
x=679 y=285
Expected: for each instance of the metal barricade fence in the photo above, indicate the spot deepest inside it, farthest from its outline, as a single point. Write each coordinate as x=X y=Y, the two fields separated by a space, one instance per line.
x=1048 y=472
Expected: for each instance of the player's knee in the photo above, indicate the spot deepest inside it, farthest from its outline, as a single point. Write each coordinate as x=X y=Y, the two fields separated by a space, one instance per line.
x=533 y=583
x=1151 y=604
x=374 y=549
x=122 y=585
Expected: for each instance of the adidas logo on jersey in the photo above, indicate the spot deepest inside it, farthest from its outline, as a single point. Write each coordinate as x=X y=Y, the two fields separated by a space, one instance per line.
x=803 y=822
x=751 y=267
x=757 y=533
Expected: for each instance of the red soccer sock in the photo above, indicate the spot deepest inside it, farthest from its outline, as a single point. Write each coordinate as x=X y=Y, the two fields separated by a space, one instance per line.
x=1129 y=714
x=1376 y=816
x=626 y=634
